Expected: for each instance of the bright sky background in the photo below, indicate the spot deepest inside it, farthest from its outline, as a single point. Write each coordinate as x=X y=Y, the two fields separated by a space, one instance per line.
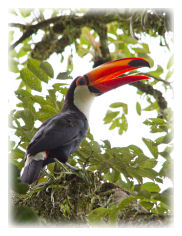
x=176 y=4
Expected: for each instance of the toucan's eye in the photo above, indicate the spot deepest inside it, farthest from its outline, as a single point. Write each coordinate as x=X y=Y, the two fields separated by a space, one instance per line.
x=81 y=81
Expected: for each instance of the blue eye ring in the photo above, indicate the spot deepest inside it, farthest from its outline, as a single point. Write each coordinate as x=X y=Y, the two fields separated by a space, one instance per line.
x=81 y=81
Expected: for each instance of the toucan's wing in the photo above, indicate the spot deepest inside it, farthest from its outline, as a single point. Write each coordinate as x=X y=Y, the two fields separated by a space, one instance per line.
x=59 y=131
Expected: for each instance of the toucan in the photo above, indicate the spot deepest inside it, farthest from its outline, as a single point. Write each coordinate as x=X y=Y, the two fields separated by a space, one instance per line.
x=61 y=135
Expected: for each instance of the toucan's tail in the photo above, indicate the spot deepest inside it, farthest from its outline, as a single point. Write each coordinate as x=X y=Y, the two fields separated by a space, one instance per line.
x=31 y=172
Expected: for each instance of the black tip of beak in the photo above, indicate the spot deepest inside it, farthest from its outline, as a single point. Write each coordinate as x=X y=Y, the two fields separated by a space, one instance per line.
x=139 y=63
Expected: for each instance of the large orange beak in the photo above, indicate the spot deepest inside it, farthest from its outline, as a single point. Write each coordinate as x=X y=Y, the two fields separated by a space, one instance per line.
x=111 y=75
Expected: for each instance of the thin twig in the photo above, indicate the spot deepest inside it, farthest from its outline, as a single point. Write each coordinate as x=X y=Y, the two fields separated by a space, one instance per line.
x=156 y=78
x=87 y=159
x=18 y=25
x=18 y=144
x=131 y=27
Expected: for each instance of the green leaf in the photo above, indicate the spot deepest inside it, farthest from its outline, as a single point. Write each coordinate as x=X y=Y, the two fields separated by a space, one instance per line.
x=125 y=108
x=157 y=125
x=34 y=66
x=130 y=39
x=17 y=153
x=40 y=100
x=146 y=204
x=24 y=215
x=113 y=213
x=126 y=202
x=112 y=27
x=23 y=51
x=107 y=144
x=64 y=75
x=13 y=66
x=151 y=107
x=167 y=151
x=120 y=104
x=153 y=129
x=166 y=170
x=141 y=50
x=151 y=187
x=170 y=62
x=149 y=163
x=70 y=63
x=166 y=196
x=164 y=139
x=151 y=146
x=81 y=51
x=25 y=12
x=169 y=74
x=11 y=144
x=157 y=72
x=138 y=108
x=10 y=38
x=60 y=87
x=146 y=46
x=113 y=176
x=147 y=172
x=27 y=116
x=115 y=123
x=16 y=185
x=116 y=105
x=124 y=123
x=110 y=115
x=47 y=68
x=157 y=121
x=30 y=79
x=49 y=109
x=133 y=173
x=145 y=194
x=136 y=150
x=96 y=214
x=23 y=95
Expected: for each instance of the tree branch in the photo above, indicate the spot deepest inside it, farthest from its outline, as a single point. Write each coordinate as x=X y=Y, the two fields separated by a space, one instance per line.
x=131 y=27
x=30 y=29
x=101 y=29
x=25 y=35
x=92 y=18
x=156 y=78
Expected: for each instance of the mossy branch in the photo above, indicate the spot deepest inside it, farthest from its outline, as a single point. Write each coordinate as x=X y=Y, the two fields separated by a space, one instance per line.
x=157 y=22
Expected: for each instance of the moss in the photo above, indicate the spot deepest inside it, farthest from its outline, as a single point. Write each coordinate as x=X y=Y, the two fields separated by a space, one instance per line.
x=130 y=216
x=70 y=199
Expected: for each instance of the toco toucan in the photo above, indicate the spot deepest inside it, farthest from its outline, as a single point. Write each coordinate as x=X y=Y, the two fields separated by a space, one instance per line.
x=61 y=135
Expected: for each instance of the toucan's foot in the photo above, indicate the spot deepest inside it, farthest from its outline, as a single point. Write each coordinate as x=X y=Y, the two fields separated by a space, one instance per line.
x=71 y=167
x=43 y=185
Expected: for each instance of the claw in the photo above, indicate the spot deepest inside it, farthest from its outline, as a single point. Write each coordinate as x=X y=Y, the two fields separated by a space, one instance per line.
x=71 y=167
x=43 y=185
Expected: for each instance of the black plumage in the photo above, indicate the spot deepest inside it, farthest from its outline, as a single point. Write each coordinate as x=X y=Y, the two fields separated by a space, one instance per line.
x=67 y=129
x=59 y=137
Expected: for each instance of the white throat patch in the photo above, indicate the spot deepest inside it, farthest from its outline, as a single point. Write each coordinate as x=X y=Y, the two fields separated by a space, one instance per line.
x=83 y=99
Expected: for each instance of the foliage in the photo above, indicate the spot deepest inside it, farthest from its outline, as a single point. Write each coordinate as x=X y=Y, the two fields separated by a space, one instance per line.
x=41 y=95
